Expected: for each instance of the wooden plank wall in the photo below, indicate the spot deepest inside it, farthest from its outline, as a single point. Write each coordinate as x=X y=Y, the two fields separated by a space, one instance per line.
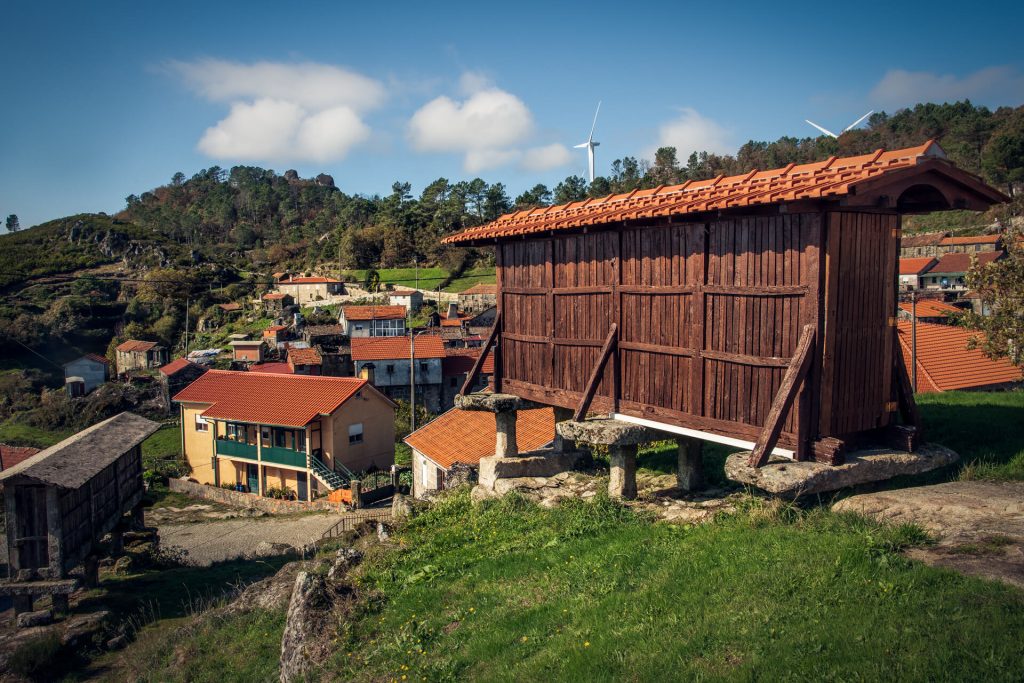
x=709 y=315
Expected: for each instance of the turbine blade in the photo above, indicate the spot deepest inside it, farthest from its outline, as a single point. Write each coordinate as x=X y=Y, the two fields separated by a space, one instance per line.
x=857 y=122
x=582 y=145
x=826 y=131
x=594 y=125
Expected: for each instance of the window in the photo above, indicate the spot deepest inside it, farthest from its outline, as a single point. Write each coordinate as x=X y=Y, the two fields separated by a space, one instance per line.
x=201 y=424
x=355 y=433
x=424 y=470
x=391 y=369
x=359 y=327
x=423 y=366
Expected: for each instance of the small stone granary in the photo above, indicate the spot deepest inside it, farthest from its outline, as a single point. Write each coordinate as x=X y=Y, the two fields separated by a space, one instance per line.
x=62 y=501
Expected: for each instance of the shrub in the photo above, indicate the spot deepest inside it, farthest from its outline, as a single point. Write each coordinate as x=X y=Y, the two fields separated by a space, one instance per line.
x=37 y=658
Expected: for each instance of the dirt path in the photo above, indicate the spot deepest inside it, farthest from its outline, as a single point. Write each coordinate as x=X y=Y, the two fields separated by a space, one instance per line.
x=228 y=539
x=979 y=524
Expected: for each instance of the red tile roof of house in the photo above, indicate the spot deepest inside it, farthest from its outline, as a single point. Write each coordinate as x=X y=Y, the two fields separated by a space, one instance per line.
x=961 y=263
x=12 y=455
x=91 y=356
x=134 y=345
x=915 y=266
x=930 y=308
x=460 y=362
x=274 y=329
x=271 y=399
x=829 y=179
x=175 y=366
x=316 y=280
x=944 y=362
x=373 y=312
x=304 y=357
x=482 y=288
x=275 y=296
x=392 y=348
x=924 y=239
x=272 y=368
x=973 y=239
x=233 y=306
x=467 y=435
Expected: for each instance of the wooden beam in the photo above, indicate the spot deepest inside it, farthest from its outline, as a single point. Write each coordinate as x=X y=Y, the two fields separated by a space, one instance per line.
x=595 y=374
x=495 y=331
x=905 y=392
x=784 y=399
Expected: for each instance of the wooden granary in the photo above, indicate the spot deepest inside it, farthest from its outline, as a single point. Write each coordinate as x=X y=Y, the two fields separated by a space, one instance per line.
x=755 y=310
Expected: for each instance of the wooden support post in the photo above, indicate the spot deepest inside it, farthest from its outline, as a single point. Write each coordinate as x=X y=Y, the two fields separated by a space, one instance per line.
x=904 y=390
x=595 y=375
x=791 y=382
x=486 y=349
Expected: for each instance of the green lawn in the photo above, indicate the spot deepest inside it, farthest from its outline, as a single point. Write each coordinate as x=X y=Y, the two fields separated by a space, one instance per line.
x=429 y=278
x=470 y=277
x=18 y=434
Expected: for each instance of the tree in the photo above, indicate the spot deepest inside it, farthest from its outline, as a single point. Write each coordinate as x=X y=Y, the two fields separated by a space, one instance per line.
x=572 y=189
x=537 y=196
x=12 y=223
x=1003 y=159
x=1001 y=287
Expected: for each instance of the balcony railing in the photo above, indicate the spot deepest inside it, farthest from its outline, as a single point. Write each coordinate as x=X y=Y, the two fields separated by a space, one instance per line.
x=236 y=449
x=284 y=456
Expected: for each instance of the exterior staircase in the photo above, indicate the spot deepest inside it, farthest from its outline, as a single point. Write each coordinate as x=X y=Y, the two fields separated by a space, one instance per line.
x=331 y=479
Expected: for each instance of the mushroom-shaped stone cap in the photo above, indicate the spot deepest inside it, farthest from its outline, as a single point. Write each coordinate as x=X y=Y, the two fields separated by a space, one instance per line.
x=492 y=403
x=607 y=432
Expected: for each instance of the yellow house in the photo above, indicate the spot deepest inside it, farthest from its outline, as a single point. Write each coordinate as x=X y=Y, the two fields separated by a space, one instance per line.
x=264 y=431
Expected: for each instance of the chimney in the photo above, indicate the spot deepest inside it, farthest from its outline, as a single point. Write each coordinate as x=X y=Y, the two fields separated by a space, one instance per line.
x=367 y=372
x=453 y=310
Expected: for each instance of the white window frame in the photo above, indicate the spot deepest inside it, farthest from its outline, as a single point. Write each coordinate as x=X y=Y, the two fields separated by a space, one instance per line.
x=202 y=424
x=355 y=434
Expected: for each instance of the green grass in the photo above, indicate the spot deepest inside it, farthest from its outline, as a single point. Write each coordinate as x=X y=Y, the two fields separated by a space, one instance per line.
x=985 y=428
x=164 y=442
x=470 y=277
x=429 y=278
x=17 y=434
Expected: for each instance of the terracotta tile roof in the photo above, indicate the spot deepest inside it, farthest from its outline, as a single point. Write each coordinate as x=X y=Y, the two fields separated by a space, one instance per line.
x=373 y=312
x=134 y=345
x=403 y=292
x=930 y=308
x=175 y=366
x=391 y=348
x=273 y=329
x=973 y=239
x=310 y=281
x=272 y=368
x=467 y=435
x=915 y=266
x=324 y=330
x=12 y=455
x=961 y=263
x=90 y=356
x=275 y=296
x=829 y=179
x=460 y=362
x=304 y=357
x=924 y=239
x=272 y=399
x=481 y=288
x=944 y=363
x=233 y=306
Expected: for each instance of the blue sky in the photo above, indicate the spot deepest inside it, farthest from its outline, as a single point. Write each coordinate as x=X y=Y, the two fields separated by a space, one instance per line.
x=103 y=101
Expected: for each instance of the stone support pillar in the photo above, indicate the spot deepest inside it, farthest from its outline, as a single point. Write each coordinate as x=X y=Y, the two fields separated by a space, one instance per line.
x=622 y=482
x=505 y=445
x=356 y=487
x=139 y=517
x=690 y=469
x=91 y=565
x=562 y=444
x=60 y=603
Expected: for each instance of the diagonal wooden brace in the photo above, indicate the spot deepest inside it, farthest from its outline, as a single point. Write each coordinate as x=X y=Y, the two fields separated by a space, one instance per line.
x=794 y=377
x=471 y=377
x=595 y=375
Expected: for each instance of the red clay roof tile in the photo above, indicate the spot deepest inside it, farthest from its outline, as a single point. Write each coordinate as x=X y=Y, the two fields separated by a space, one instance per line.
x=929 y=308
x=304 y=357
x=134 y=345
x=915 y=266
x=961 y=263
x=392 y=348
x=973 y=239
x=12 y=455
x=466 y=435
x=373 y=312
x=175 y=366
x=944 y=363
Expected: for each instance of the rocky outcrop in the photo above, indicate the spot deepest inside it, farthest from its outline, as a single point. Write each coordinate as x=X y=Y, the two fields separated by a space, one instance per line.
x=789 y=479
x=303 y=625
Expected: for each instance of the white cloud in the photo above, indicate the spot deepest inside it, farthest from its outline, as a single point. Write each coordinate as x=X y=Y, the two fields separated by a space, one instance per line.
x=546 y=158
x=282 y=112
x=994 y=84
x=477 y=160
x=488 y=119
x=690 y=132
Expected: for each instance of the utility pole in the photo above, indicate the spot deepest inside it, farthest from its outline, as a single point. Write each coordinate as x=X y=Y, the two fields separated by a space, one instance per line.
x=913 y=340
x=412 y=381
x=186 y=326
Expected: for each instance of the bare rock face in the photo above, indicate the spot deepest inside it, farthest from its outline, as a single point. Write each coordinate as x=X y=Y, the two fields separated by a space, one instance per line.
x=325 y=180
x=271 y=593
x=291 y=174
x=268 y=549
x=38 y=618
x=302 y=627
x=789 y=479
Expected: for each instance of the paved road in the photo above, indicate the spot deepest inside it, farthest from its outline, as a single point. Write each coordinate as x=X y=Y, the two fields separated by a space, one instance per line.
x=229 y=539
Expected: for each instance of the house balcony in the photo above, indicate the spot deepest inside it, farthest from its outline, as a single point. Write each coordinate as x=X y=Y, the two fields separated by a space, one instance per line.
x=284 y=456
x=238 y=449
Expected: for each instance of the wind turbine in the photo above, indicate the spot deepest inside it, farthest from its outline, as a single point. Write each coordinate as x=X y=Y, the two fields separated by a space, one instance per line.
x=853 y=125
x=590 y=144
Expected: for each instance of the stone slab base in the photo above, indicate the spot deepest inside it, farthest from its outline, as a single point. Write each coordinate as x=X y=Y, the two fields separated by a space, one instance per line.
x=493 y=469
x=492 y=403
x=608 y=432
x=786 y=478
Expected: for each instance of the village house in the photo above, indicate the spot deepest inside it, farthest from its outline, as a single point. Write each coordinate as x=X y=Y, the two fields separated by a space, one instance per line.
x=972 y=244
x=925 y=244
x=62 y=501
x=456 y=366
x=385 y=361
x=85 y=373
x=177 y=375
x=462 y=437
x=929 y=311
x=139 y=355
x=229 y=309
x=276 y=303
x=328 y=335
x=753 y=310
x=267 y=431
x=911 y=270
x=309 y=290
x=373 y=321
x=945 y=363
x=247 y=350
x=304 y=361
x=478 y=297
x=950 y=271
x=410 y=299
x=275 y=335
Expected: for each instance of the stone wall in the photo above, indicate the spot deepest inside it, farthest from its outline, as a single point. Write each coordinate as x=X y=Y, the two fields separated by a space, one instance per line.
x=249 y=500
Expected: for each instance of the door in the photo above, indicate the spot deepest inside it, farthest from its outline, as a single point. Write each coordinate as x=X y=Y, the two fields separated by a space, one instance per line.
x=300 y=480
x=31 y=539
x=253 y=477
